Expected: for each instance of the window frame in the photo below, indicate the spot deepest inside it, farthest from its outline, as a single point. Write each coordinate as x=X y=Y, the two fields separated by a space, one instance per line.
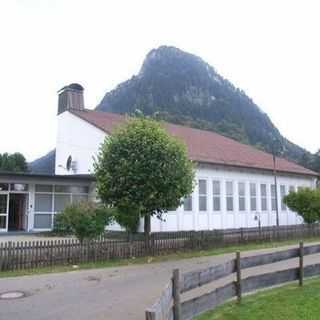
x=216 y=196
x=229 y=195
x=262 y=197
x=191 y=199
x=52 y=194
x=273 y=197
x=282 y=195
x=201 y=195
x=244 y=196
x=253 y=196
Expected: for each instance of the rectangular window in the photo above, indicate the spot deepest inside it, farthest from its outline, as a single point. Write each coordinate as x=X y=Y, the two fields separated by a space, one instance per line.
x=4 y=187
x=61 y=201
x=216 y=195
x=43 y=188
x=264 y=202
x=292 y=189
x=253 y=197
x=229 y=195
x=273 y=197
x=3 y=222
x=42 y=221
x=76 y=198
x=43 y=202
x=282 y=195
x=187 y=203
x=51 y=199
x=3 y=203
x=202 y=195
x=63 y=189
x=242 y=196
x=19 y=187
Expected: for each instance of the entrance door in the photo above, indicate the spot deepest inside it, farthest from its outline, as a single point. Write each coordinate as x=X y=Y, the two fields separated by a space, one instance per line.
x=4 y=205
x=17 y=212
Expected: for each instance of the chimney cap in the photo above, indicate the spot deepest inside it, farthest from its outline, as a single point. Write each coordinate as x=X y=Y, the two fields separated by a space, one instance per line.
x=72 y=86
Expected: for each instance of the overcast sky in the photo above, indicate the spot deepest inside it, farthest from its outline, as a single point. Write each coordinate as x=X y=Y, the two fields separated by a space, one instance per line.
x=270 y=49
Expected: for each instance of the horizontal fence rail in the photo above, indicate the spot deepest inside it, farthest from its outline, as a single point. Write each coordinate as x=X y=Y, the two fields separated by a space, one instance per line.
x=198 y=278
x=121 y=245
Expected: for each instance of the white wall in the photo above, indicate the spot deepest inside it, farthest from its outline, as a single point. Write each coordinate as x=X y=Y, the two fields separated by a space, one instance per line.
x=79 y=139
x=196 y=220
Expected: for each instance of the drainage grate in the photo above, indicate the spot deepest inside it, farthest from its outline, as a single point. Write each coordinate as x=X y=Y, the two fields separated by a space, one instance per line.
x=12 y=295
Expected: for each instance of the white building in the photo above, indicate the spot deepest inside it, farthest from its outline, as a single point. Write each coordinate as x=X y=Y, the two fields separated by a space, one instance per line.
x=235 y=184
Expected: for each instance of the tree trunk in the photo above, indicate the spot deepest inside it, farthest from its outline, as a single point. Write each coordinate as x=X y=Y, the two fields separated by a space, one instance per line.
x=147 y=225
x=147 y=229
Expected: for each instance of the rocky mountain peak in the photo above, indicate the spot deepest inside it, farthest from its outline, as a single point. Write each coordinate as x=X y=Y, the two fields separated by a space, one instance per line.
x=180 y=87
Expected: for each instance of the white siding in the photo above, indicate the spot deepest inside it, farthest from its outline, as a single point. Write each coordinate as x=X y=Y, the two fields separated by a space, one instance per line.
x=82 y=140
x=79 y=139
x=223 y=219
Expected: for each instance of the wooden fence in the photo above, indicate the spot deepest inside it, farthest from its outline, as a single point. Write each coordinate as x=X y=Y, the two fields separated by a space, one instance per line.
x=170 y=307
x=119 y=245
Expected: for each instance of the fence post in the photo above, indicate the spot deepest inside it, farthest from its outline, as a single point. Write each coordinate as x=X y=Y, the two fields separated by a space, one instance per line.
x=176 y=295
x=238 y=270
x=301 y=263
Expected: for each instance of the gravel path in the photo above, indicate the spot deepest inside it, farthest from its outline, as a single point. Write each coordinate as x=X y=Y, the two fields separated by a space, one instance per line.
x=110 y=294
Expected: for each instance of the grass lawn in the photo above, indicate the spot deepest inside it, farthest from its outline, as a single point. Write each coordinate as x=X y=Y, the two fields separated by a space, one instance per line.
x=290 y=302
x=174 y=256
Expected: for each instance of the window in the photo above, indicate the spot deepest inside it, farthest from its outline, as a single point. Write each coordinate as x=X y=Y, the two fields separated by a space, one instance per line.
x=3 y=222
x=78 y=198
x=263 y=192
x=19 y=187
x=4 y=187
x=229 y=195
x=43 y=188
x=242 y=196
x=273 y=197
x=292 y=189
x=50 y=200
x=202 y=195
x=43 y=202
x=282 y=194
x=187 y=203
x=61 y=201
x=253 y=197
x=42 y=221
x=216 y=195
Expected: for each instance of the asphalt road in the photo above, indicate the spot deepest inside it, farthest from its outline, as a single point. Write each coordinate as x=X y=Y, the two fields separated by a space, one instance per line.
x=109 y=294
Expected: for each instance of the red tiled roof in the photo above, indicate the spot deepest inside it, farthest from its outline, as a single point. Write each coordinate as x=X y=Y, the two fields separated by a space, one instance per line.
x=204 y=146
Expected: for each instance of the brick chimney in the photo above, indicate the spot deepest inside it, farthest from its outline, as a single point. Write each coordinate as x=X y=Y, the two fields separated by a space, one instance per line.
x=70 y=97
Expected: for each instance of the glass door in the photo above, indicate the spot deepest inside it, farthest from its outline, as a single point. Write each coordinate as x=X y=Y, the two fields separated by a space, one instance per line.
x=4 y=204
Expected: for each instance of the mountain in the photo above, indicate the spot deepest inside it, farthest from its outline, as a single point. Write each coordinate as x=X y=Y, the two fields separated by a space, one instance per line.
x=180 y=87
x=44 y=164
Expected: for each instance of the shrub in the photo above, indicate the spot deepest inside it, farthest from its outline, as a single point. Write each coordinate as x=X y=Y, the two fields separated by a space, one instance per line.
x=306 y=202
x=86 y=220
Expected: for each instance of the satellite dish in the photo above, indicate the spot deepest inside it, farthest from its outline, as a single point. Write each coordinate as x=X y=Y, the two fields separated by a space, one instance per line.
x=69 y=163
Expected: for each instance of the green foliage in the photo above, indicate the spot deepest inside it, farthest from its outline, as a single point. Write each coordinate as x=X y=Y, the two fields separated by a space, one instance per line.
x=306 y=202
x=127 y=218
x=86 y=220
x=143 y=171
x=14 y=162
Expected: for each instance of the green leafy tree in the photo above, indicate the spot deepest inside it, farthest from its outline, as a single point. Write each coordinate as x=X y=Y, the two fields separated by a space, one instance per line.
x=86 y=220
x=15 y=162
x=143 y=171
x=306 y=202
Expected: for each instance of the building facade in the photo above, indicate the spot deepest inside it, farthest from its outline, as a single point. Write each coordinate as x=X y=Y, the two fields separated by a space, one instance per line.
x=234 y=185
